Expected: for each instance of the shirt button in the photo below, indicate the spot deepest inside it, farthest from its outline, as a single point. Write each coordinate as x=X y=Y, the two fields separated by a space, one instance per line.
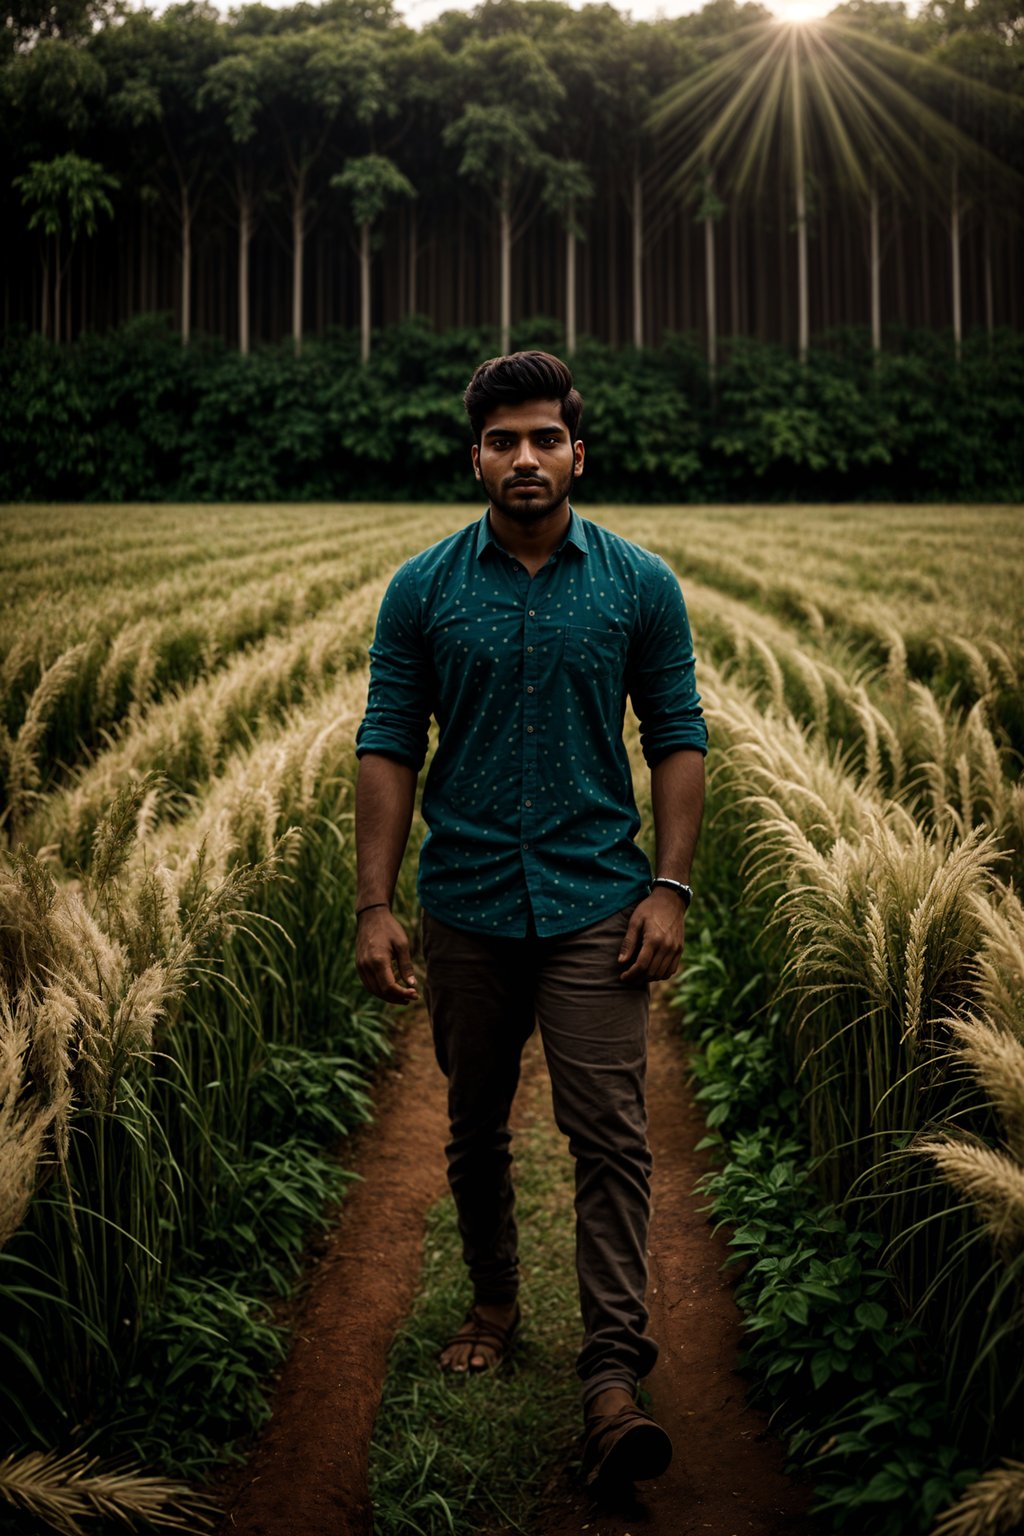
x=533 y=613
x=529 y=730
x=527 y=803
x=529 y=687
x=526 y=845
x=529 y=650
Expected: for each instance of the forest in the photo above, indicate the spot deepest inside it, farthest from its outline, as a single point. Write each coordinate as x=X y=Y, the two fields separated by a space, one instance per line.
x=283 y=173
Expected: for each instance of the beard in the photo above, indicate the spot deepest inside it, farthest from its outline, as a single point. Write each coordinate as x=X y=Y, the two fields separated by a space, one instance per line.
x=546 y=495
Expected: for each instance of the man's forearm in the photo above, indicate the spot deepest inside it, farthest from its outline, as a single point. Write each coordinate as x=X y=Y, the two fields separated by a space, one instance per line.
x=385 y=797
x=677 y=802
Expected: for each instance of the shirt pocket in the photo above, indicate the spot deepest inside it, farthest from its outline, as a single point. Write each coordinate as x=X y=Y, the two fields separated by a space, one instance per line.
x=593 y=663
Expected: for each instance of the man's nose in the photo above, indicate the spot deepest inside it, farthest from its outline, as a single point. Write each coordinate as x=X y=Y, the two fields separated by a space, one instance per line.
x=526 y=456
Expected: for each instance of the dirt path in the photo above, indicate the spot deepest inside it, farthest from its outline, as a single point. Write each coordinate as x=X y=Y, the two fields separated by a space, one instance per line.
x=726 y=1477
x=308 y=1475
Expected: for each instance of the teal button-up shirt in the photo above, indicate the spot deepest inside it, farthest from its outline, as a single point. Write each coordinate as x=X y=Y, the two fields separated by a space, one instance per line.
x=529 y=799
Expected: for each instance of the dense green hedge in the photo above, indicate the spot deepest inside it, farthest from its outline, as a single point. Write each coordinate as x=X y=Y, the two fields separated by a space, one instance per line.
x=132 y=415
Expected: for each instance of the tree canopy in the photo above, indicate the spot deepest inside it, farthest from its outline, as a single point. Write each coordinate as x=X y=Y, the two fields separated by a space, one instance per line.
x=523 y=127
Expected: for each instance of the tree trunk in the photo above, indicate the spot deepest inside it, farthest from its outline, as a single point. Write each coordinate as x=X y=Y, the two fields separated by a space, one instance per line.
x=638 y=256
x=413 y=258
x=954 y=234
x=803 y=307
x=460 y=273
x=570 y=280
x=876 y=277
x=186 y=265
x=44 y=318
x=505 y=236
x=990 y=308
x=709 y=293
x=926 y=276
x=734 y=274
x=56 y=288
x=244 y=237
x=364 y=291
x=298 y=253
x=613 y=283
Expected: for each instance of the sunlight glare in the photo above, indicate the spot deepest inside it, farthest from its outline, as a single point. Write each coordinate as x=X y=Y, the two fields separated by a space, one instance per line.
x=801 y=10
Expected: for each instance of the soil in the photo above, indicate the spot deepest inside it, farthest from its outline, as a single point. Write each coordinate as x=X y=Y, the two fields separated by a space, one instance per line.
x=308 y=1475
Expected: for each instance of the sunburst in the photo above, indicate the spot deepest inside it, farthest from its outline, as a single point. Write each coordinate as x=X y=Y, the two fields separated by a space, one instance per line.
x=821 y=97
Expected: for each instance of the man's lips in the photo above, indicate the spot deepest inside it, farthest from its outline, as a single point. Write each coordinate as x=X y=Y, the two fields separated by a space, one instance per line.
x=527 y=485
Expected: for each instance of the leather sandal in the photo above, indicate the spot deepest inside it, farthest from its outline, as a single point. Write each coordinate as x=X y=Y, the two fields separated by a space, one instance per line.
x=476 y=1331
x=624 y=1447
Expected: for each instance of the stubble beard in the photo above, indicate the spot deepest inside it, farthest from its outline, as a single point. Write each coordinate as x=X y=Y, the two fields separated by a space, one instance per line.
x=521 y=510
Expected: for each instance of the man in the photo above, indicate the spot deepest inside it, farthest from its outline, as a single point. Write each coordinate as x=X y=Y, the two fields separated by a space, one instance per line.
x=522 y=634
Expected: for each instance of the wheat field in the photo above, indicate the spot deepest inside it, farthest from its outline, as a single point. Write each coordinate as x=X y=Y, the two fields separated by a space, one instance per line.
x=180 y=692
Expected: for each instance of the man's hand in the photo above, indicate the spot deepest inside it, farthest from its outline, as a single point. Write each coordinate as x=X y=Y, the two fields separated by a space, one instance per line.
x=654 y=938
x=382 y=956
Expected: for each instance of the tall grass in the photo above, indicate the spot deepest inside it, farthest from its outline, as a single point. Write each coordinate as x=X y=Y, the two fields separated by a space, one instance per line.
x=181 y=1027
x=182 y=1137
x=78 y=666
x=190 y=735
x=882 y=931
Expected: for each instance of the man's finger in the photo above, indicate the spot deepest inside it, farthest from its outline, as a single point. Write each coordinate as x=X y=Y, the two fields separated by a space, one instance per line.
x=403 y=964
x=639 y=969
x=630 y=938
x=386 y=987
x=663 y=969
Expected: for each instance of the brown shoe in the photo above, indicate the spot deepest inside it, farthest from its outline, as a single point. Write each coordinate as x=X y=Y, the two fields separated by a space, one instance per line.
x=624 y=1447
x=480 y=1334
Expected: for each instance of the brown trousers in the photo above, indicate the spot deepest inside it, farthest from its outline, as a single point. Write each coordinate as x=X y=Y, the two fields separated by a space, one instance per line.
x=484 y=996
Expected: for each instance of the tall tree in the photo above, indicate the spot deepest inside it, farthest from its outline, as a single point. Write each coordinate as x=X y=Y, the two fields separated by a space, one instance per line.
x=980 y=44
x=156 y=67
x=50 y=94
x=308 y=80
x=580 y=47
x=511 y=97
x=65 y=198
x=567 y=189
x=371 y=182
x=817 y=98
x=233 y=89
x=649 y=61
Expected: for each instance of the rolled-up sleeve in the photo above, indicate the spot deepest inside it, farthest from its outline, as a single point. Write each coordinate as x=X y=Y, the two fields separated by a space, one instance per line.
x=661 y=675
x=398 y=707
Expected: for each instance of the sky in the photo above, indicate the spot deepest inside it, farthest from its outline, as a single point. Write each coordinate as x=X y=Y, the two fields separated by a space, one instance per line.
x=416 y=12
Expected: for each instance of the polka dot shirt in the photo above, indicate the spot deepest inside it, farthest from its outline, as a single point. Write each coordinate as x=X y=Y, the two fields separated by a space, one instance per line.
x=529 y=799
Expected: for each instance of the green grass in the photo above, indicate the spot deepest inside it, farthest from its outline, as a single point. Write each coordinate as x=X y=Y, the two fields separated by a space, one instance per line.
x=470 y=1456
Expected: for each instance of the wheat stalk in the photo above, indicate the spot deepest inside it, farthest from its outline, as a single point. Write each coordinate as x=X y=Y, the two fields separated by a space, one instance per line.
x=992 y=1506
x=62 y=1491
x=989 y=1179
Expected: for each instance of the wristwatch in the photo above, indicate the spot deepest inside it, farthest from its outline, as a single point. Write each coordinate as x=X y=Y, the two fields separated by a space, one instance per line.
x=685 y=891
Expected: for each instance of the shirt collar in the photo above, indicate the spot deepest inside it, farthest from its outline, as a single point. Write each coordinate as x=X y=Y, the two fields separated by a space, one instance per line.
x=576 y=534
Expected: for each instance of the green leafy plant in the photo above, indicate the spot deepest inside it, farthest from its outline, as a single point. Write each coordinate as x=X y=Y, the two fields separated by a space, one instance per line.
x=131 y=415
x=848 y=1381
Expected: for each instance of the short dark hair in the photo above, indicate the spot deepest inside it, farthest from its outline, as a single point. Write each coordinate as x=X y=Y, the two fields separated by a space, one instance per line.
x=519 y=377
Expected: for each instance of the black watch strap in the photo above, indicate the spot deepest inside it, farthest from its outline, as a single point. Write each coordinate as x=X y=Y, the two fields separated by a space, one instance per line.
x=685 y=891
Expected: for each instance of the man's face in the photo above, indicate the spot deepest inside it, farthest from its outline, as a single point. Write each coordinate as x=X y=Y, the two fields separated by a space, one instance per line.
x=526 y=462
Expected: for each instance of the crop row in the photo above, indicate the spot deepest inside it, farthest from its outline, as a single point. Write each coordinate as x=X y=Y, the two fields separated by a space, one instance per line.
x=154 y=1013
